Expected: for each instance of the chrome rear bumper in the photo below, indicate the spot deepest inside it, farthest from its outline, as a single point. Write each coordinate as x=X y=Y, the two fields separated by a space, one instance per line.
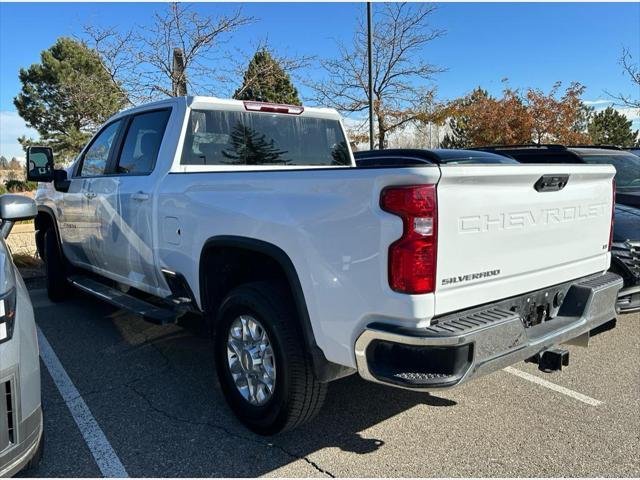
x=469 y=344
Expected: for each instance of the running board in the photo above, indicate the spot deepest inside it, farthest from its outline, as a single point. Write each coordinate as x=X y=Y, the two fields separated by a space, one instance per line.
x=149 y=311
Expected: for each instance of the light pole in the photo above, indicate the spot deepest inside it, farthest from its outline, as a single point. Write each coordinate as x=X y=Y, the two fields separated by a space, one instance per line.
x=369 y=53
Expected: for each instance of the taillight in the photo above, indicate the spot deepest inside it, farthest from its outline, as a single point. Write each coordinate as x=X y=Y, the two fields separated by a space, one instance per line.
x=613 y=212
x=273 y=108
x=412 y=258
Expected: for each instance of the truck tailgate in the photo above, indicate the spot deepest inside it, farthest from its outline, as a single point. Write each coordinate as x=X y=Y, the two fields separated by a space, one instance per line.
x=498 y=236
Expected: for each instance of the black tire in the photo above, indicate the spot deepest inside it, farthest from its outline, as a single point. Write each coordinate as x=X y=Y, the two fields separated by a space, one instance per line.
x=58 y=287
x=297 y=396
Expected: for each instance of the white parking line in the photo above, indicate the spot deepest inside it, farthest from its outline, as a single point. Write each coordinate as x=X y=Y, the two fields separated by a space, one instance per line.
x=104 y=455
x=552 y=386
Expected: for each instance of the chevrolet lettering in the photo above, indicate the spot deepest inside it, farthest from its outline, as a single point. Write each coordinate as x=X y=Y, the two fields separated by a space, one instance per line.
x=527 y=218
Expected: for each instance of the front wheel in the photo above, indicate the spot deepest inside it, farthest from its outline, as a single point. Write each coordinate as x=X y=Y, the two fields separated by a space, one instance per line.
x=263 y=367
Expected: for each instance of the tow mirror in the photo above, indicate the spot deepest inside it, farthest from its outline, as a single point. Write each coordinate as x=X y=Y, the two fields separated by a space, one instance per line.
x=14 y=208
x=40 y=164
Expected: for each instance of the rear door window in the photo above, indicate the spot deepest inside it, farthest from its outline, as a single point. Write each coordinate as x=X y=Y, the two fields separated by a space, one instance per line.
x=243 y=138
x=142 y=143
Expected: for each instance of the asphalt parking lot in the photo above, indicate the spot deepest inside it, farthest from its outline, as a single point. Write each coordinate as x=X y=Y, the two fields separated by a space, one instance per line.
x=154 y=395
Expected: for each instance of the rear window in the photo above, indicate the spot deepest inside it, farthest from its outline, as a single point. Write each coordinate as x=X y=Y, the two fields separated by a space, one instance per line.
x=627 y=168
x=545 y=156
x=246 y=138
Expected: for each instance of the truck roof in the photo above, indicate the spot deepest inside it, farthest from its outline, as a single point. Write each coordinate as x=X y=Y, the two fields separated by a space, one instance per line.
x=215 y=103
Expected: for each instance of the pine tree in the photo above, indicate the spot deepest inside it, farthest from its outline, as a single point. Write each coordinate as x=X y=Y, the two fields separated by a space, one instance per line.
x=609 y=127
x=67 y=96
x=253 y=148
x=266 y=81
x=459 y=121
x=457 y=138
x=4 y=163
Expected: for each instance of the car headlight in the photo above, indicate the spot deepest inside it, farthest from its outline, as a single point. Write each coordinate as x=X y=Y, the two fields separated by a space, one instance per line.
x=7 y=294
x=7 y=315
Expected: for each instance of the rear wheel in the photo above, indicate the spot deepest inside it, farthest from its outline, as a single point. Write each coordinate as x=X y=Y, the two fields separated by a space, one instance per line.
x=56 y=266
x=264 y=370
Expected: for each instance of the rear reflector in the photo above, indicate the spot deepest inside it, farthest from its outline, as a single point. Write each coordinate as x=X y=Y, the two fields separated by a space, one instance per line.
x=273 y=108
x=412 y=258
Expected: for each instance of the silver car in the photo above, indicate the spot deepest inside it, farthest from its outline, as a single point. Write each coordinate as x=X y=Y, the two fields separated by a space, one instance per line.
x=21 y=430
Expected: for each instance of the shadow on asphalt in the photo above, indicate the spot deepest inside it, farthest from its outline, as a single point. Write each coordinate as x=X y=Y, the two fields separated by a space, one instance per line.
x=154 y=392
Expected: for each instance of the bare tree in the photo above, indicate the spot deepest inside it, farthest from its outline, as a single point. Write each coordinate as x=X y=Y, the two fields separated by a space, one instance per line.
x=630 y=69
x=115 y=52
x=142 y=62
x=400 y=73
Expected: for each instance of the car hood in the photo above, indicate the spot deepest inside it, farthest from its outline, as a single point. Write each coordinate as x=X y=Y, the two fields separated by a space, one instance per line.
x=626 y=223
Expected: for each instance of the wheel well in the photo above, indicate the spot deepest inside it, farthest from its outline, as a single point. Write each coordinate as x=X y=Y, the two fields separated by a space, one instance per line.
x=223 y=268
x=43 y=222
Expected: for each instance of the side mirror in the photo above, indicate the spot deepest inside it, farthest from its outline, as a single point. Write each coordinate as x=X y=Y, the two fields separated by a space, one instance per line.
x=40 y=164
x=14 y=208
x=60 y=181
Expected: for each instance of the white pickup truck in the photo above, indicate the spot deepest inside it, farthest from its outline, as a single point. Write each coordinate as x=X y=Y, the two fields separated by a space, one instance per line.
x=308 y=268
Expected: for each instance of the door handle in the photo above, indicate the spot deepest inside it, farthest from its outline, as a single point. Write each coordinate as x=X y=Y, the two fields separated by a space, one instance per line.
x=90 y=195
x=140 y=196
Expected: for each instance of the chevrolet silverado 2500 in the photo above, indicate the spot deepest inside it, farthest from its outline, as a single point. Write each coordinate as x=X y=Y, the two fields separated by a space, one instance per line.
x=308 y=268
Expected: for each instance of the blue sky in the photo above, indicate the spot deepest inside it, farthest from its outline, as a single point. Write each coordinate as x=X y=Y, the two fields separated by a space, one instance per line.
x=531 y=44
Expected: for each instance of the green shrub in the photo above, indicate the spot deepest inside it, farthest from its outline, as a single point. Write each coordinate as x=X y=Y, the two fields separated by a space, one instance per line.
x=16 y=186
x=3 y=189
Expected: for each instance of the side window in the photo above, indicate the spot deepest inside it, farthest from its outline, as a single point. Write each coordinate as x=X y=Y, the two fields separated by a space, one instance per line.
x=95 y=158
x=142 y=142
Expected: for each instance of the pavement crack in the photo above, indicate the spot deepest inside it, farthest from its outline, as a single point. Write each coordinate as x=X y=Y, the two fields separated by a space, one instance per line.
x=165 y=367
x=100 y=391
x=255 y=441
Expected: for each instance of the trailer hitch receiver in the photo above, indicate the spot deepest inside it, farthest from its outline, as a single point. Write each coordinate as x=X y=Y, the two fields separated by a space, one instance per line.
x=551 y=360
